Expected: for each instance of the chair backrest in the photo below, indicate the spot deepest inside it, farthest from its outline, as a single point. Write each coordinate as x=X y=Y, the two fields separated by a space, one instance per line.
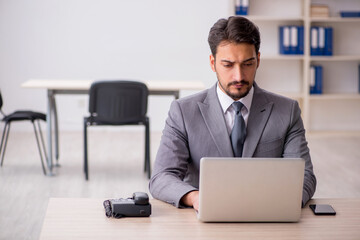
x=1 y=104
x=1 y=101
x=118 y=102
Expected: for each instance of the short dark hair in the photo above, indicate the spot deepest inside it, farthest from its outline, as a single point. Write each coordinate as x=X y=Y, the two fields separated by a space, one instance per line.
x=235 y=29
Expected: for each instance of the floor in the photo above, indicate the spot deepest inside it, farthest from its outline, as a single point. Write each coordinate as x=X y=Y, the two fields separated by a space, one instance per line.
x=116 y=170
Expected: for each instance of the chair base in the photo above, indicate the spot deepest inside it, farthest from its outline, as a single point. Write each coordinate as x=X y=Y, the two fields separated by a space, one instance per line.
x=5 y=137
x=147 y=165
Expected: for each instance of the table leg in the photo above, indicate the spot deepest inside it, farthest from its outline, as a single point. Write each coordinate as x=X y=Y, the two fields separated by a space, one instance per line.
x=56 y=125
x=176 y=94
x=49 y=132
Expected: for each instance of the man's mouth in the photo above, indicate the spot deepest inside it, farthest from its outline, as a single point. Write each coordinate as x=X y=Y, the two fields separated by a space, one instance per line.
x=239 y=84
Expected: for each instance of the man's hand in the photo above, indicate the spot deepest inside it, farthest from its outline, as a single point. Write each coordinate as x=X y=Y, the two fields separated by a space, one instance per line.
x=191 y=199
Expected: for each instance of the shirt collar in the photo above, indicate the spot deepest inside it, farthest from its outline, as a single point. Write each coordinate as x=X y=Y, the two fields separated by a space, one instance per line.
x=226 y=101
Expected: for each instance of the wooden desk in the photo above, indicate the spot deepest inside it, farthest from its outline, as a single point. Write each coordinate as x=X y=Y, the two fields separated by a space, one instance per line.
x=61 y=86
x=85 y=219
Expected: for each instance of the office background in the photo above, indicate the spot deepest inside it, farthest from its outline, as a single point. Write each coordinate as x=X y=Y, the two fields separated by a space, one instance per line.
x=165 y=41
x=135 y=40
x=140 y=40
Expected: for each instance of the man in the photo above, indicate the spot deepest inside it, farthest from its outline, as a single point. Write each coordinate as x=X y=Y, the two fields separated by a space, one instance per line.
x=201 y=125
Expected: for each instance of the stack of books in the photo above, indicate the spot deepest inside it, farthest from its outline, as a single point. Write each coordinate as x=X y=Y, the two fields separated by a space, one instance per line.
x=291 y=40
x=321 y=41
x=319 y=11
x=316 y=79
x=241 y=7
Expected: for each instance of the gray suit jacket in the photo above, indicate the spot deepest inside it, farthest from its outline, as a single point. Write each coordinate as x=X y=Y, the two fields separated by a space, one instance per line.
x=196 y=128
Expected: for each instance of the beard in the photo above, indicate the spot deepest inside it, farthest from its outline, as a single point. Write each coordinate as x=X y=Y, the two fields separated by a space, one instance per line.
x=238 y=94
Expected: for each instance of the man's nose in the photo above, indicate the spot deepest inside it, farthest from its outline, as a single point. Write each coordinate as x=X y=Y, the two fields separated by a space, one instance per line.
x=237 y=74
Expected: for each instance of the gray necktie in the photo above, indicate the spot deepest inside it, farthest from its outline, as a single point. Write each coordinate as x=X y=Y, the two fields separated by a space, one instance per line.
x=238 y=133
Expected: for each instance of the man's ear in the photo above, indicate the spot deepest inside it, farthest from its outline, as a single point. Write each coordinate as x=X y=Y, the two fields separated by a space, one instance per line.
x=212 y=63
x=258 y=60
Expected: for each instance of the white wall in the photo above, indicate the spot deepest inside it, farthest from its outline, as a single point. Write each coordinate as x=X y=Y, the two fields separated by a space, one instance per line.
x=102 y=39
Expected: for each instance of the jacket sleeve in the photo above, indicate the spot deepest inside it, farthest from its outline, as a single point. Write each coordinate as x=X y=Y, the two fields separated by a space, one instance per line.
x=171 y=162
x=296 y=146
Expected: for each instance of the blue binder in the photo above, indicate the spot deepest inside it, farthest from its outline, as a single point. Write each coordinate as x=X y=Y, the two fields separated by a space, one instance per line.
x=312 y=79
x=281 y=42
x=238 y=8
x=316 y=79
x=294 y=40
x=300 y=40
x=350 y=14
x=328 y=50
x=284 y=40
x=241 y=7
x=245 y=7
x=321 y=41
x=291 y=40
x=314 y=41
x=319 y=79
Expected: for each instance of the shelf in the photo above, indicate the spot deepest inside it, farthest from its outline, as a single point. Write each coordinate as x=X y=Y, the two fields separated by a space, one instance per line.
x=282 y=57
x=334 y=19
x=291 y=73
x=335 y=96
x=335 y=58
x=333 y=133
x=273 y=18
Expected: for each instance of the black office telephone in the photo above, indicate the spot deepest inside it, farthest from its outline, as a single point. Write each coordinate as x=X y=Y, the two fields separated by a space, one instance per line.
x=136 y=206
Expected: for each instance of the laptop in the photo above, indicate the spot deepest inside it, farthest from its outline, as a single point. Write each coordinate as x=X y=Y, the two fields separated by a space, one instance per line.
x=250 y=189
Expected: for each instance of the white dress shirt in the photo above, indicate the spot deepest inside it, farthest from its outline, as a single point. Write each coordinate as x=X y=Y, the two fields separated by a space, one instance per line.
x=229 y=111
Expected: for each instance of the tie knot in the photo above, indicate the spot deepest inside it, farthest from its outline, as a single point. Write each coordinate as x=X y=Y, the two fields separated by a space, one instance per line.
x=237 y=106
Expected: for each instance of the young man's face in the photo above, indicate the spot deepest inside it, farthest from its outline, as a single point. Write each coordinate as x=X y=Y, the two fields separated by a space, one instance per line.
x=235 y=66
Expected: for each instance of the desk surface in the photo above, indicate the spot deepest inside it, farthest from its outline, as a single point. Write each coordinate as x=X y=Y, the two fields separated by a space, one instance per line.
x=69 y=218
x=68 y=84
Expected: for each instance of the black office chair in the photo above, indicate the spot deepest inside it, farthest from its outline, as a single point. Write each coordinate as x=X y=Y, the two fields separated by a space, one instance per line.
x=118 y=103
x=22 y=116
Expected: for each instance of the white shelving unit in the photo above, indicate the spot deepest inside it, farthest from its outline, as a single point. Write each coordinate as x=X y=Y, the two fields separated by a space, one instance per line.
x=338 y=108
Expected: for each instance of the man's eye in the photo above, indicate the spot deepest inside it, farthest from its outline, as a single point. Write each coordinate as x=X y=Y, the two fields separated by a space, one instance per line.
x=248 y=64
x=227 y=65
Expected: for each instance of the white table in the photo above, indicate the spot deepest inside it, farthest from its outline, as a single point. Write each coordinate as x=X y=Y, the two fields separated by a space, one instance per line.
x=68 y=86
x=84 y=218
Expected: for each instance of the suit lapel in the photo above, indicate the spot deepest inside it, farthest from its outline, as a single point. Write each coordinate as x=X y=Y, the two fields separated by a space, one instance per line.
x=214 y=119
x=259 y=114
